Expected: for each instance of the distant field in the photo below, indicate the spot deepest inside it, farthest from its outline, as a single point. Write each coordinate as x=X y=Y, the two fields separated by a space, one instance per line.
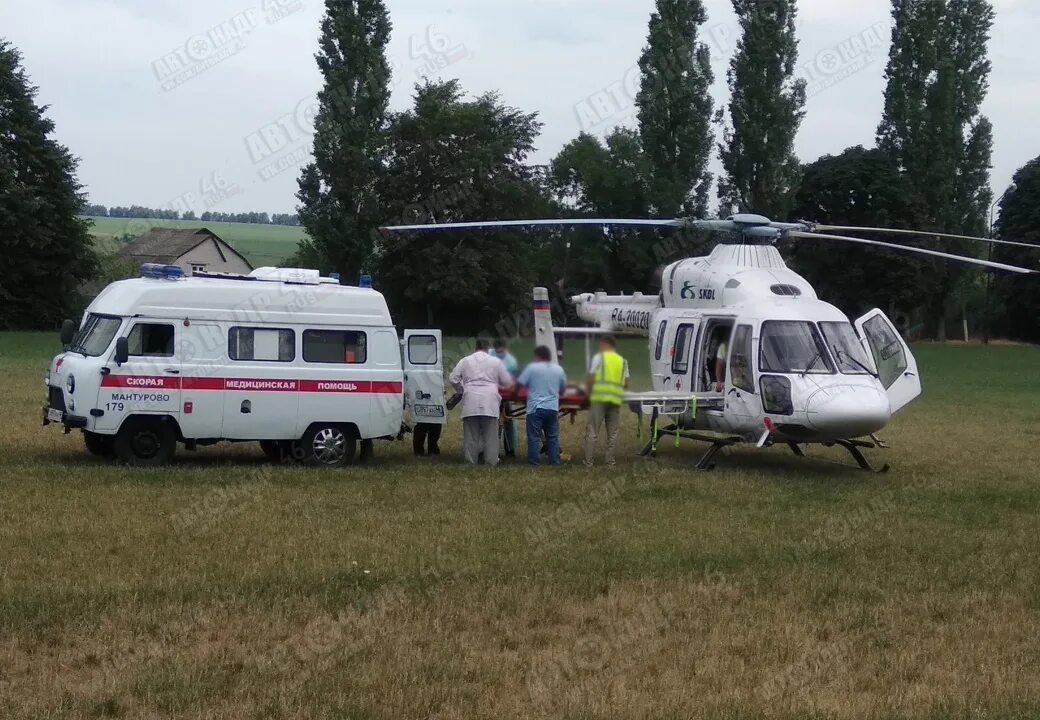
x=261 y=244
x=773 y=587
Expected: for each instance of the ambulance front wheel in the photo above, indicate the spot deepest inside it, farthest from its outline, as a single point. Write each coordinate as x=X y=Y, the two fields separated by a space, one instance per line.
x=99 y=445
x=329 y=446
x=146 y=442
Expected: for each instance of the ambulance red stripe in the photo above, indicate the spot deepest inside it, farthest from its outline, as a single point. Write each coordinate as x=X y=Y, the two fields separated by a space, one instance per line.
x=147 y=382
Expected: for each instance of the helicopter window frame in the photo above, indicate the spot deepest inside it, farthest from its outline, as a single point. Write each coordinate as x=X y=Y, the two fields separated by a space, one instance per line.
x=685 y=336
x=847 y=343
x=662 y=332
x=823 y=366
x=743 y=377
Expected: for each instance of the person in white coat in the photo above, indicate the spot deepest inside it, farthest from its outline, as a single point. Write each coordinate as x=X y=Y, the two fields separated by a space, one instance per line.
x=479 y=377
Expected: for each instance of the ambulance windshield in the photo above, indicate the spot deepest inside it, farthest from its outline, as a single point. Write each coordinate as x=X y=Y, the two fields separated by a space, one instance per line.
x=96 y=335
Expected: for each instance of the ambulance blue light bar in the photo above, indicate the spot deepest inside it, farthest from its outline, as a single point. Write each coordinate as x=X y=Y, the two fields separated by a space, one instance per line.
x=365 y=282
x=161 y=272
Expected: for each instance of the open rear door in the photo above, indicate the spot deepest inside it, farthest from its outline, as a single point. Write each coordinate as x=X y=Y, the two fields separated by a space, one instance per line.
x=895 y=364
x=422 y=354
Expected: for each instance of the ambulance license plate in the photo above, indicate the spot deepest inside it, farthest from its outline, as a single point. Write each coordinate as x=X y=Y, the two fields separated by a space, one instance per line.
x=54 y=415
x=429 y=411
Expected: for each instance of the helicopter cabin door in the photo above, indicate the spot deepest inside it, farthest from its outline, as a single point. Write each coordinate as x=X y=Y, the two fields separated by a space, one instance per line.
x=896 y=366
x=682 y=355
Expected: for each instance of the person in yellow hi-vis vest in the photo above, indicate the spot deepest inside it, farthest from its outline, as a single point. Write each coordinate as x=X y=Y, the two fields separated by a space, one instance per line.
x=606 y=384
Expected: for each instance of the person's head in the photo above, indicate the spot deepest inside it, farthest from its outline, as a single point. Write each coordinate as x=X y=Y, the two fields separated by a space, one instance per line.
x=481 y=345
x=501 y=347
x=608 y=343
x=542 y=354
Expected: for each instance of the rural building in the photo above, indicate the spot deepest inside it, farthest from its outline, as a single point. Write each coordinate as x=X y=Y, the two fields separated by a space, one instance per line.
x=195 y=250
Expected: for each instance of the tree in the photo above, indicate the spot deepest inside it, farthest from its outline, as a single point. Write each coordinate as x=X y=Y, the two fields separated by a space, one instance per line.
x=454 y=159
x=612 y=179
x=765 y=111
x=859 y=187
x=676 y=108
x=339 y=206
x=1020 y=222
x=46 y=247
x=938 y=76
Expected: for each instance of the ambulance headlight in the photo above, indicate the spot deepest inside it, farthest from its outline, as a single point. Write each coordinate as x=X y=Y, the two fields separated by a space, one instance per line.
x=72 y=405
x=70 y=384
x=47 y=377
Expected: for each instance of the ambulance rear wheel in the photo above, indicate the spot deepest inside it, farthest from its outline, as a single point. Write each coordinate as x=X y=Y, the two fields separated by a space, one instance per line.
x=100 y=445
x=146 y=442
x=329 y=446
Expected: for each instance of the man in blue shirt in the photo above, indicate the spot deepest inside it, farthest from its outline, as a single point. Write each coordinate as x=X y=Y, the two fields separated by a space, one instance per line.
x=544 y=381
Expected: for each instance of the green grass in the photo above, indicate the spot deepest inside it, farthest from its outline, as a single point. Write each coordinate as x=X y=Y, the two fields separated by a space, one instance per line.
x=261 y=244
x=773 y=587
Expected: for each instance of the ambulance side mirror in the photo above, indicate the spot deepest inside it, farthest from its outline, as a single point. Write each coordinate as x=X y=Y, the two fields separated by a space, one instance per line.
x=68 y=331
x=122 y=351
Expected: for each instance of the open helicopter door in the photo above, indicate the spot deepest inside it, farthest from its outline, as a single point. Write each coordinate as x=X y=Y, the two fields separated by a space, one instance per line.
x=424 y=376
x=896 y=366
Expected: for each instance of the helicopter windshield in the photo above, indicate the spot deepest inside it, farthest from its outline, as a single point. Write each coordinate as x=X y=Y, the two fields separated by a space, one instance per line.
x=794 y=347
x=843 y=340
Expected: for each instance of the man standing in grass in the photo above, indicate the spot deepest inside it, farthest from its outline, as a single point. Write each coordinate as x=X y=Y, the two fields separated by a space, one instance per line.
x=606 y=384
x=479 y=377
x=501 y=351
x=544 y=380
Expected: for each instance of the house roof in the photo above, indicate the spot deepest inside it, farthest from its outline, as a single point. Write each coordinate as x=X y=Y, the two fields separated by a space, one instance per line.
x=167 y=245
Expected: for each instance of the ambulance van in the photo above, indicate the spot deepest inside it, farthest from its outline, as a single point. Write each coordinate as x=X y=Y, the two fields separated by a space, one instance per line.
x=312 y=369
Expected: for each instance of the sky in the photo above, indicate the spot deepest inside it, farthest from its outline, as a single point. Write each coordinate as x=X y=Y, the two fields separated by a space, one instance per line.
x=208 y=105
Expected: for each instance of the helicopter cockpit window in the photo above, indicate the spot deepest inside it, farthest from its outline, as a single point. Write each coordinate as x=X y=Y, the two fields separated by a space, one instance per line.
x=790 y=346
x=844 y=343
x=683 y=349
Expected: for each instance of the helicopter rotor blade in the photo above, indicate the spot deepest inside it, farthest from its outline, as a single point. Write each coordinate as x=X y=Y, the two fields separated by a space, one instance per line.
x=921 y=233
x=561 y=222
x=920 y=251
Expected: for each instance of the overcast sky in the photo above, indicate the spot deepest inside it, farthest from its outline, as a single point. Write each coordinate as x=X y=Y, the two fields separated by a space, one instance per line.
x=207 y=104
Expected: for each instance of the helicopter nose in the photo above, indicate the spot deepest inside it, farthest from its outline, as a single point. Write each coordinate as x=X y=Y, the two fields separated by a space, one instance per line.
x=848 y=411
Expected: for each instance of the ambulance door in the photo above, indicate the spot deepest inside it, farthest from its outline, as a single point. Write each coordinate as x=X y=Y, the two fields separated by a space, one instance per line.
x=896 y=366
x=202 y=352
x=424 y=376
x=261 y=383
x=149 y=382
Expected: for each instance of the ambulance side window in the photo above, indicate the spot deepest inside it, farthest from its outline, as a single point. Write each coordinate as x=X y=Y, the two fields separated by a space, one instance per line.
x=151 y=340
x=345 y=347
x=261 y=344
x=422 y=350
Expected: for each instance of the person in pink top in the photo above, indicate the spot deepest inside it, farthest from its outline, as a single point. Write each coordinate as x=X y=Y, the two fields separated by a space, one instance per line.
x=479 y=377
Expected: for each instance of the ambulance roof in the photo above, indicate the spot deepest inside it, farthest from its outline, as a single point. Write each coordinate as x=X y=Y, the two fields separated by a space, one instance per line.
x=244 y=300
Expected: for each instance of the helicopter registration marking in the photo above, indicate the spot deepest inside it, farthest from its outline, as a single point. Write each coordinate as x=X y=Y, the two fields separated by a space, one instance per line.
x=635 y=319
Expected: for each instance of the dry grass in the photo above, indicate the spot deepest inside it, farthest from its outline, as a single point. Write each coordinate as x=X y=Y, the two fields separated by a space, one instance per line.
x=773 y=587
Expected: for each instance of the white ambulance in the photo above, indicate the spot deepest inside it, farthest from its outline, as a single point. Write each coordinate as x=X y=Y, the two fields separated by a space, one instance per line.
x=310 y=368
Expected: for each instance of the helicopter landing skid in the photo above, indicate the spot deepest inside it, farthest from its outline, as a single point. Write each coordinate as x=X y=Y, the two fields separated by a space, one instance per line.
x=853 y=446
x=718 y=444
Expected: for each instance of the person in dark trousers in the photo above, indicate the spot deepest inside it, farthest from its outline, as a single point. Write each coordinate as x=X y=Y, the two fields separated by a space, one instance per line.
x=544 y=380
x=426 y=438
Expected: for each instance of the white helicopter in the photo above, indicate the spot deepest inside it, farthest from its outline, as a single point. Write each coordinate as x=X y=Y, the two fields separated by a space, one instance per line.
x=797 y=371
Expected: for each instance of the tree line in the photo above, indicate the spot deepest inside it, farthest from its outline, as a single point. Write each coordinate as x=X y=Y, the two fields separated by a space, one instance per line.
x=138 y=211
x=454 y=156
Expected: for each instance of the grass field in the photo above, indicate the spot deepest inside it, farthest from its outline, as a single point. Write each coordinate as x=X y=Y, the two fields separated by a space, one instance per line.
x=261 y=244
x=772 y=587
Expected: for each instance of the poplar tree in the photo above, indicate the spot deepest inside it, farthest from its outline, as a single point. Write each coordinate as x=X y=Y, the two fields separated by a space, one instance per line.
x=47 y=250
x=676 y=109
x=765 y=111
x=938 y=76
x=338 y=190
